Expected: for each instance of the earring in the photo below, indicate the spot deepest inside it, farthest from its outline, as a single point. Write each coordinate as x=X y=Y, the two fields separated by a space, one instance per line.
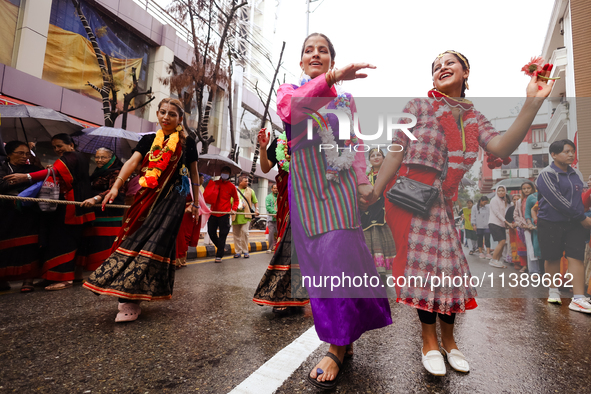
x=179 y=128
x=466 y=82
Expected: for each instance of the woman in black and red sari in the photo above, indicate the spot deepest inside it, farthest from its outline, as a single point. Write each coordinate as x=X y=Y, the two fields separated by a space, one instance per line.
x=61 y=230
x=141 y=266
x=19 y=225
x=99 y=236
x=275 y=288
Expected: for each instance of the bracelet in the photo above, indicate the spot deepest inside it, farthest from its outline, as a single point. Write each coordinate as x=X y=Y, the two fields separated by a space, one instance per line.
x=195 y=184
x=122 y=180
x=30 y=178
x=96 y=199
x=196 y=206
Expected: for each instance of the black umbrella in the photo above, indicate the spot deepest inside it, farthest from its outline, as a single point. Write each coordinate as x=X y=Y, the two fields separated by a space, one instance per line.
x=119 y=141
x=34 y=123
x=213 y=164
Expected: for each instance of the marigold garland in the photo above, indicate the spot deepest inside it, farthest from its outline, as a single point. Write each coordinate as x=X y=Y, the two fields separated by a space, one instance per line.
x=159 y=158
x=283 y=158
x=459 y=159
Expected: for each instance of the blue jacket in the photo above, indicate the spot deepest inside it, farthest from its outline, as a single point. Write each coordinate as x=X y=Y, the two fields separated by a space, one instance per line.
x=560 y=194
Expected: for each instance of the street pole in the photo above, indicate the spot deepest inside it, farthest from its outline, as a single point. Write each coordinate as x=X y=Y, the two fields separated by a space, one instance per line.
x=307 y=17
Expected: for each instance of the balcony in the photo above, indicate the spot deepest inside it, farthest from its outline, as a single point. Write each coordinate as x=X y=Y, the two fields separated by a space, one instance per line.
x=558 y=127
x=559 y=59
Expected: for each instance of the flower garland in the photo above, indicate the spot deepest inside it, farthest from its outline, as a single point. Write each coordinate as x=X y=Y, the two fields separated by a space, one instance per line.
x=159 y=158
x=283 y=157
x=337 y=160
x=461 y=152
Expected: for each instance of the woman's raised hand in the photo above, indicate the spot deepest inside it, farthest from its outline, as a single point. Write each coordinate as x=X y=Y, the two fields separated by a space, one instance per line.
x=540 y=87
x=350 y=71
x=264 y=138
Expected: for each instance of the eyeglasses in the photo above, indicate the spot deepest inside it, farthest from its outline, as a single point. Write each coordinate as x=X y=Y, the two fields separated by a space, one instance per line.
x=21 y=153
x=101 y=158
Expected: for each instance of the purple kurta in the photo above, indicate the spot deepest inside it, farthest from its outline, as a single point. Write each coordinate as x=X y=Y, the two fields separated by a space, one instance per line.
x=339 y=321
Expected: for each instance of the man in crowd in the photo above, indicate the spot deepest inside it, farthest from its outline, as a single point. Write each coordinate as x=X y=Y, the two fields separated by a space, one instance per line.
x=241 y=223
x=271 y=205
x=562 y=224
x=222 y=196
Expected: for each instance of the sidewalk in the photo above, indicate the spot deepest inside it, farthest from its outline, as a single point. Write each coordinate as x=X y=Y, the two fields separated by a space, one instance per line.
x=257 y=242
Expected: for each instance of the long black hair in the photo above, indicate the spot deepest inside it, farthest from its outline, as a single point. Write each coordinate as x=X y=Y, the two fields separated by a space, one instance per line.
x=483 y=198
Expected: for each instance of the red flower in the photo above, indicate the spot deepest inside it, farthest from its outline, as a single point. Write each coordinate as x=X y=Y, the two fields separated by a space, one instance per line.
x=507 y=160
x=151 y=181
x=156 y=152
x=535 y=64
x=491 y=166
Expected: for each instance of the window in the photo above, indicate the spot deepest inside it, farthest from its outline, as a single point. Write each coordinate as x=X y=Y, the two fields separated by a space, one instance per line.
x=538 y=135
x=540 y=161
x=513 y=165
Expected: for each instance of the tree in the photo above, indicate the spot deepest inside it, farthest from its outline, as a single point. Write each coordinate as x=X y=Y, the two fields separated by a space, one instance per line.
x=204 y=74
x=265 y=114
x=109 y=90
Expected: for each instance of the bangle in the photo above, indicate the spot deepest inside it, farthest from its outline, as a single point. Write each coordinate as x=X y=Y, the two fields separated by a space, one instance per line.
x=95 y=198
x=30 y=178
x=122 y=180
x=195 y=184
x=196 y=206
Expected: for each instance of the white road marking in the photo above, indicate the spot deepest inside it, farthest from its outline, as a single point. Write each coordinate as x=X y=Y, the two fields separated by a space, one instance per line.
x=271 y=375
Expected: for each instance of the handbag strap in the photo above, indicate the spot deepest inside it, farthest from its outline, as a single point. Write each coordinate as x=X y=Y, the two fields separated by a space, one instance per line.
x=249 y=208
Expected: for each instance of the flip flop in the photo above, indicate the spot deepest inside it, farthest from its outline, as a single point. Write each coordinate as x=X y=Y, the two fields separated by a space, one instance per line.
x=331 y=384
x=27 y=288
x=349 y=348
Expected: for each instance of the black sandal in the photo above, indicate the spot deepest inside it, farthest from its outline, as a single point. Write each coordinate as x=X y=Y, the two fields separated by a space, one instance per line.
x=331 y=384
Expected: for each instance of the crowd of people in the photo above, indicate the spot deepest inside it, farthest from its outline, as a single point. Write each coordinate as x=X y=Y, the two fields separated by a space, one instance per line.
x=335 y=214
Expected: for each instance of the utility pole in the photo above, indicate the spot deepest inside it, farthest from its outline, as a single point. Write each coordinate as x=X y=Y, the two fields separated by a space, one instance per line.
x=308 y=12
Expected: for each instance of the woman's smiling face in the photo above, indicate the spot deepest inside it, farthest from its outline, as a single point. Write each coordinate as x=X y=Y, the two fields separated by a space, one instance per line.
x=316 y=59
x=449 y=75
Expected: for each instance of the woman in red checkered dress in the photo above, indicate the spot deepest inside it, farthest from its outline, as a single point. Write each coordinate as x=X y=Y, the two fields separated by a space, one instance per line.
x=448 y=130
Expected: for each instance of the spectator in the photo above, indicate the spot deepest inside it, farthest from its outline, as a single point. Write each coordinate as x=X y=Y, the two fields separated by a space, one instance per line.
x=62 y=230
x=223 y=197
x=562 y=224
x=533 y=245
x=99 y=236
x=470 y=232
x=497 y=224
x=19 y=232
x=271 y=206
x=241 y=223
x=479 y=221
x=524 y=245
x=512 y=256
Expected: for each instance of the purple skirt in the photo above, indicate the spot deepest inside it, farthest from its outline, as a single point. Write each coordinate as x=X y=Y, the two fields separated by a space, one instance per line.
x=345 y=311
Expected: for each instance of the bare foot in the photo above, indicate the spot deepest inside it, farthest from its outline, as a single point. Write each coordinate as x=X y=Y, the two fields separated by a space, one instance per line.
x=328 y=366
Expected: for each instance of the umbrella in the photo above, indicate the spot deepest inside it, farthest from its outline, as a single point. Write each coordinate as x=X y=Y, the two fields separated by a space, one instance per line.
x=119 y=141
x=34 y=123
x=213 y=164
x=467 y=182
x=511 y=183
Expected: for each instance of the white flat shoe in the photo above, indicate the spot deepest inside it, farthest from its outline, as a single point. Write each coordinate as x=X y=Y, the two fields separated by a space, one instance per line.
x=433 y=362
x=457 y=360
x=128 y=311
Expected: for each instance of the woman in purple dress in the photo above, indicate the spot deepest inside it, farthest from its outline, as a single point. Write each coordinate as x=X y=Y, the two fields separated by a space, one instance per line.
x=326 y=234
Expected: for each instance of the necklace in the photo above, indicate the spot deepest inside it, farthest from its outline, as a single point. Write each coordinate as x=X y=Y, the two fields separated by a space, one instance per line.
x=159 y=158
x=337 y=160
x=462 y=146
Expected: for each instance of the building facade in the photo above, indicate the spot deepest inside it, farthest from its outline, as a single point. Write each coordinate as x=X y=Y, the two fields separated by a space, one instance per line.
x=568 y=46
x=46 y=59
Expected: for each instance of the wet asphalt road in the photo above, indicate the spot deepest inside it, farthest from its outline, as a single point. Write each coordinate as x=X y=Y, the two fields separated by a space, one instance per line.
x=211 y=336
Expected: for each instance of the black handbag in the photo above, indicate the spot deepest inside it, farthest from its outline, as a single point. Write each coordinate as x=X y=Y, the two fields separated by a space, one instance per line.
x=414 y=196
